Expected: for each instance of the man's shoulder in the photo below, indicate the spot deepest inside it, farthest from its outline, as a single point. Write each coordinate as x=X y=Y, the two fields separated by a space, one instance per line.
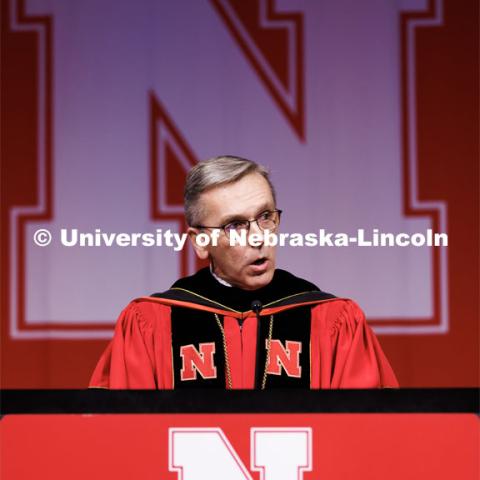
x=339 y=312
x=190 y=282
x=293 y=282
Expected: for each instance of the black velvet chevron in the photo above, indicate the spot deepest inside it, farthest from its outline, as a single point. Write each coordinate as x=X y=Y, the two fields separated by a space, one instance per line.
x=191 y=326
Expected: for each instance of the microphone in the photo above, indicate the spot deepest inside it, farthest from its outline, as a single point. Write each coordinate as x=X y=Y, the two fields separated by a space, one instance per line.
x=257 y=307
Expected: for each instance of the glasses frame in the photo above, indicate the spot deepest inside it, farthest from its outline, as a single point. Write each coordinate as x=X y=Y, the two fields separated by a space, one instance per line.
x=223 y=227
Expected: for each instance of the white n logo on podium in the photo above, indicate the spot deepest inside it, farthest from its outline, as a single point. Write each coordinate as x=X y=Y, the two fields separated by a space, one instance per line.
x=276 y=453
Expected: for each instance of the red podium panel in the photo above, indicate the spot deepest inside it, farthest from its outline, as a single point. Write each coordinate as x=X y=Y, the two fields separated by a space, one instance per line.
x=245 y=446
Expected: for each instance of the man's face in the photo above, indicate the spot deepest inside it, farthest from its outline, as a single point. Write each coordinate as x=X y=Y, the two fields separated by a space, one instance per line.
x=244 y=267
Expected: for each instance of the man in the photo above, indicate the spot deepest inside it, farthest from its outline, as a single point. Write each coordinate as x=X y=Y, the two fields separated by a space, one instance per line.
x=241 y=323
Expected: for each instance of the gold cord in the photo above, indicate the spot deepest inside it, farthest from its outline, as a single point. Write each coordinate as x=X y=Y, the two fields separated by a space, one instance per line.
x=225 y=351
x=267 y=360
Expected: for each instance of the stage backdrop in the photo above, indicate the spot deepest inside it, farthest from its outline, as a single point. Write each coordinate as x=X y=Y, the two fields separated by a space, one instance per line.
x=365 y=112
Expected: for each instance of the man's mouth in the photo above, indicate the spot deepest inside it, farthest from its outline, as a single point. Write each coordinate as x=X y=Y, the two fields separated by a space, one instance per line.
x=259 y=265
x=259 y=261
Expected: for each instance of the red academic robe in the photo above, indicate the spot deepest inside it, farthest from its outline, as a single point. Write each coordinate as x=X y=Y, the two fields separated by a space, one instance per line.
x=343 y=352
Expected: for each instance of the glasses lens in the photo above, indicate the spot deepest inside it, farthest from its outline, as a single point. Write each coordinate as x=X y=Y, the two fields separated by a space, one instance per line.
x=235 y=226
x=268 y=220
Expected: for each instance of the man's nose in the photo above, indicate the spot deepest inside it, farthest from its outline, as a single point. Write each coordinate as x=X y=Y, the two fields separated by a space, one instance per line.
x=255 y=229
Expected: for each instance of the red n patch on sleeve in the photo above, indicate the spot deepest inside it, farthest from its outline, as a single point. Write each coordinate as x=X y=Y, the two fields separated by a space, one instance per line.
x=194 y=361
x=287 y=357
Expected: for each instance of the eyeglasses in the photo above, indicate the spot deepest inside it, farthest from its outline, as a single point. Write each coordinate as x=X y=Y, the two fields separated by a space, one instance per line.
x=267 y=220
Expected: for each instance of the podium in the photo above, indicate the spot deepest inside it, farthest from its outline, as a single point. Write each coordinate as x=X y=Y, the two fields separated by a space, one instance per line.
x=211 y=434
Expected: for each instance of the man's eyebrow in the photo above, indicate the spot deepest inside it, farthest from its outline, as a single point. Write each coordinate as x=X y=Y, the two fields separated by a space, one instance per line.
x=265 y=208
x=232 y=218
x=241 y=218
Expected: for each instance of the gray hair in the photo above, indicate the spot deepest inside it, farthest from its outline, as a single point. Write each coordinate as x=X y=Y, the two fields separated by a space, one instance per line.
x=213 y=173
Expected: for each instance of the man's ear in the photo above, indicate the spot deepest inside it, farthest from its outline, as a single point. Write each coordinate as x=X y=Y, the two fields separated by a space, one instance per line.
x=202 y=252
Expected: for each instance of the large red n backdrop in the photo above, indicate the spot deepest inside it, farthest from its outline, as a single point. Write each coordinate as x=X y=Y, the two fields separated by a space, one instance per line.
x=365 y=112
